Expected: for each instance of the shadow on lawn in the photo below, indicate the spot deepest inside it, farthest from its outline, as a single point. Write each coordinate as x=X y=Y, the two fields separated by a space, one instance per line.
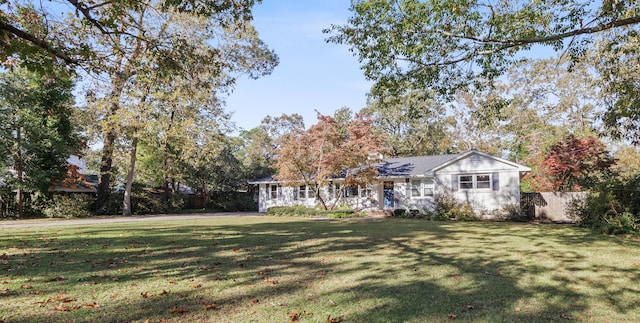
x=396 y=271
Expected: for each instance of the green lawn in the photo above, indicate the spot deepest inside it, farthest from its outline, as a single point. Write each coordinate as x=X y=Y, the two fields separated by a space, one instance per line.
x=281 y=269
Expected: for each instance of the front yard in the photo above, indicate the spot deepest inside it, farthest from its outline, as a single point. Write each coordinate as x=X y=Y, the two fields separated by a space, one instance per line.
x=245 y=269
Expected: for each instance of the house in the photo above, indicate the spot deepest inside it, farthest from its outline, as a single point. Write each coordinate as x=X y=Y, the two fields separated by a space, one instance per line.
x=487 y=182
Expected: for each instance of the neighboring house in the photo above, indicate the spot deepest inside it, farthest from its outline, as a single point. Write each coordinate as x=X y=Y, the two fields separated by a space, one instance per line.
x=487 y=182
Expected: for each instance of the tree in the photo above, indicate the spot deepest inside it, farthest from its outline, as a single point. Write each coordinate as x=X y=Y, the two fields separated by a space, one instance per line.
x=451 y=46
x=414 y=124
x=329 y=150
x=32 y=29
x=171 y=50
x=574 y=164
x=37 y=133
x=260 y=144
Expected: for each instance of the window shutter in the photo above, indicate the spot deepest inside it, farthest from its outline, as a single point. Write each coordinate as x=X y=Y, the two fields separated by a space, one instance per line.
x=495 y=177
x=295 y=193
x=454 y=182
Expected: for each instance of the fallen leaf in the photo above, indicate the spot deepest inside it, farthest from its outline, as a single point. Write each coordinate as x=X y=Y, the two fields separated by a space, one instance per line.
x=91 y=305
x=574 y=288
x=332 y=303
x=211 y=306
x=305 y=312
x=469 y=307
x=255 y=301
x=196 y=285
x=65 y=308
x=55 y=279
x=26 y=286
x=146 y=294
x=453 y=316
x=164 y=292
x=294 y=316
x=178 y=310
x=333 y=319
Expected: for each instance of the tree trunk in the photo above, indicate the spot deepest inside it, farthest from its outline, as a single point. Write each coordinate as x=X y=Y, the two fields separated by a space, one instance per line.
x=104 y=186
x=19 y=174
x=126 y=203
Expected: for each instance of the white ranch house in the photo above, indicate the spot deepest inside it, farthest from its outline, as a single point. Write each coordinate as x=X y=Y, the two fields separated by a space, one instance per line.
x=487 y=182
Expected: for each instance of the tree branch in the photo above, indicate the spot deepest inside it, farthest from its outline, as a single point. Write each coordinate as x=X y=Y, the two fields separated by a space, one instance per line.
x=37 y=42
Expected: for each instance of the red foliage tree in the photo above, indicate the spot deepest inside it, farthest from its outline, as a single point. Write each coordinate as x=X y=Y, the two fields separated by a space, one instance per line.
x=573 y=164
x=328 y=150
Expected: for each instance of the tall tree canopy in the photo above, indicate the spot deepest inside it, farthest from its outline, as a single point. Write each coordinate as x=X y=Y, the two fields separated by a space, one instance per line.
x=326 y=151
x=447 y=45
x=36 y=133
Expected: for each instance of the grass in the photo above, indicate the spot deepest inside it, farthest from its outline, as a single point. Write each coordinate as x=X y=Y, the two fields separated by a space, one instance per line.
x=244 y=269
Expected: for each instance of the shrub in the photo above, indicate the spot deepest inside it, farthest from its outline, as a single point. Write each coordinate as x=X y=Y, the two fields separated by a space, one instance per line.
x=513 y=212
x=448 y=207
x=607 y=212
x=68 y=206
x=302 y=211
x=401 y=213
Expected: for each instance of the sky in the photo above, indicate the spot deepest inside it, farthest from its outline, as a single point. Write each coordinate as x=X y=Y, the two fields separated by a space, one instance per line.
x=312 y=74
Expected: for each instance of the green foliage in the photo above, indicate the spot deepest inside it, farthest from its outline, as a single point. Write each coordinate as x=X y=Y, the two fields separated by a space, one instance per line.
x=448 y=207
x=232 y=202
x=68 y=206
x=37 y=131
x=513 y=212
x=610 y=210
x=302 y=211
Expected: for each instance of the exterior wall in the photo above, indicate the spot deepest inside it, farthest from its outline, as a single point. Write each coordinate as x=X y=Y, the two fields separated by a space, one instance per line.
x=286 y=197
x=505 y=183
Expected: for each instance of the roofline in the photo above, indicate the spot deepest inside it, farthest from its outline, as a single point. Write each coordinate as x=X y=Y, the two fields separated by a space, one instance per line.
x=521 y=168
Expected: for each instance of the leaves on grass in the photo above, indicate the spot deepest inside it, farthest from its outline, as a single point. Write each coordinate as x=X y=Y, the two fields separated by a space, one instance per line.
x=91 y=305
x=66 y=308
x=146 y=294
x=255 y=301
x=469 y=307
x=334 y=319
x=453 y=316
x=294 y=316
x=164 y=292
x=55 y=279
x=27 y=286
x=574 y=288
x=211 y=306
x=178 y=310
x=271 y=281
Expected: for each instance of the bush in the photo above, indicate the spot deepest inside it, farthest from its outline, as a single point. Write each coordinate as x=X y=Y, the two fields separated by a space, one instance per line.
x=302 y=211
x=608 y=212
x=67 y=206
x=448 y=207
x=401 y=213
x=513 y=212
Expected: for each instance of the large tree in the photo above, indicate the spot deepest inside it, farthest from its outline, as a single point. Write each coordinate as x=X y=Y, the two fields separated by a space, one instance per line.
x=37 y=133
x=329 y=150
x=447 y=46
x=414 y=124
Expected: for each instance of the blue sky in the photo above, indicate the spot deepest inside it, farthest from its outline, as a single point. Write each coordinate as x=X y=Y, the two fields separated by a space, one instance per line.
x=312 y=74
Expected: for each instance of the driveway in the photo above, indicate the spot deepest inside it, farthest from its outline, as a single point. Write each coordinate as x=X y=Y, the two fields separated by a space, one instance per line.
x=115 y=219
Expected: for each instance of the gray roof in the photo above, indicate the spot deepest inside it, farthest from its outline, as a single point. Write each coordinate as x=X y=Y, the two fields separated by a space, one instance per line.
x=396 y=167
x=412 y=166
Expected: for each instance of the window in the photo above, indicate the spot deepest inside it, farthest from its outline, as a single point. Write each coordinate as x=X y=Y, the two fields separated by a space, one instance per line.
x=351 y=191
x=475 y=182
x=302 y=192
x=483 y=182
x=273 y=191
x=422 y=187
x=466 y=182
x=365 y=191
x=428 y=187
x=416 y=187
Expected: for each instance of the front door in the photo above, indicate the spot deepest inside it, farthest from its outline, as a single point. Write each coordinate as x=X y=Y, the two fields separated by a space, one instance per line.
x=388 y=195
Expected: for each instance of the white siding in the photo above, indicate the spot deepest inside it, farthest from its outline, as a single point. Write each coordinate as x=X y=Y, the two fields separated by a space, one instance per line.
x=507 y=179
